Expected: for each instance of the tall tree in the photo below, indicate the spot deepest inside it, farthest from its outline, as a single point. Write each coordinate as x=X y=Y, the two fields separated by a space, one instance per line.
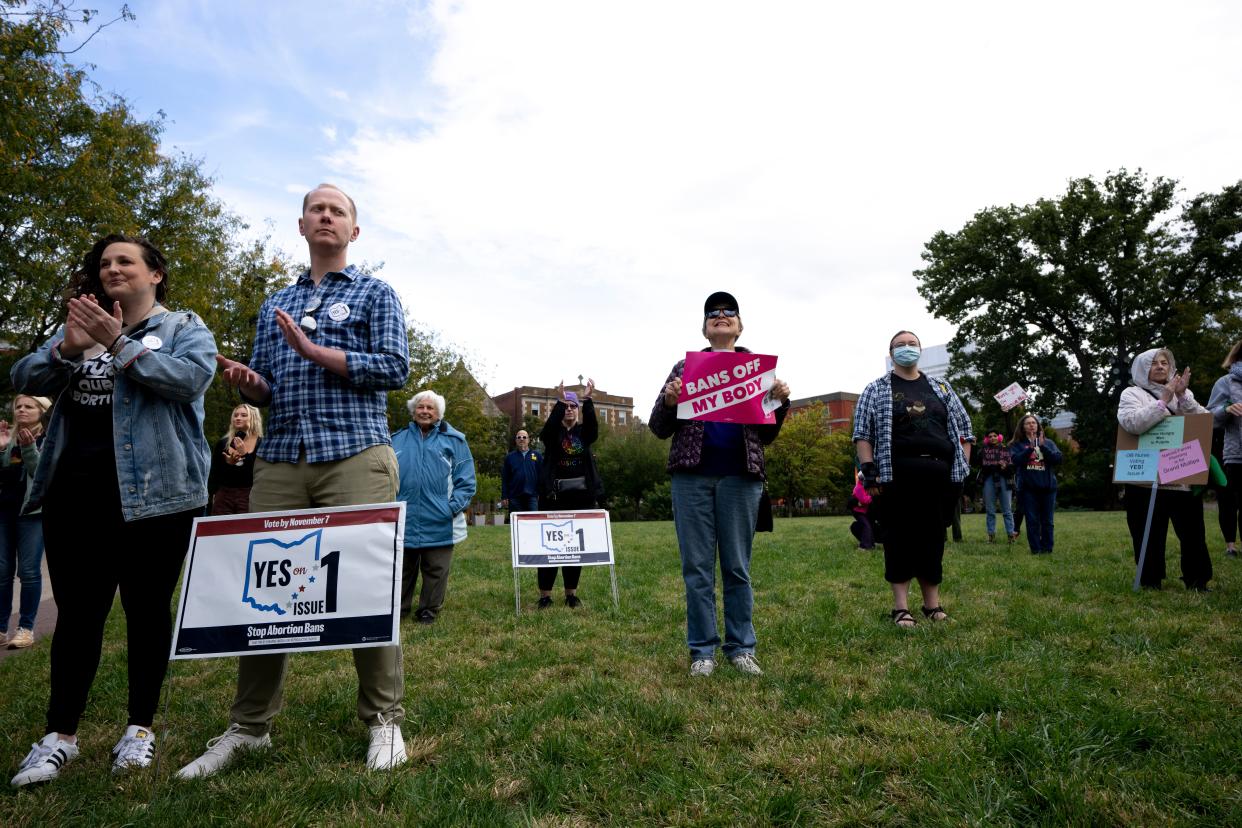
x=75 y=164
x=810 y=460
x=632 y=462
x=1060 y=295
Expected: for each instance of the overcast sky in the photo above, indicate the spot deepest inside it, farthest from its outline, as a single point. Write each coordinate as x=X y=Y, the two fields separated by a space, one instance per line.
x=557 y=186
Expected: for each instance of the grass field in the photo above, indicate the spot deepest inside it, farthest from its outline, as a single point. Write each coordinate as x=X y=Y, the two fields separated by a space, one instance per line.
x=1056 y=697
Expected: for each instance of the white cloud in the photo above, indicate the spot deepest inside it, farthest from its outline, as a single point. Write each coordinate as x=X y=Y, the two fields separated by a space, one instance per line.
x=566 y=181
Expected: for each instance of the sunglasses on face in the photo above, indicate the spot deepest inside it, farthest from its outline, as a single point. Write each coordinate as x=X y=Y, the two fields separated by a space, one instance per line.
x=727 y=313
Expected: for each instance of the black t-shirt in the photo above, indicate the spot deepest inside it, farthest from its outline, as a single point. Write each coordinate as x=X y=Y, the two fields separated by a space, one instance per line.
x=226 y=475
x=920 y=420
x=12 y=479
x=89 y=452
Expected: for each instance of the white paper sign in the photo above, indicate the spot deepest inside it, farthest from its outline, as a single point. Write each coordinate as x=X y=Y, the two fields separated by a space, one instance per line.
x=580 y=538
x=275 y=582
x=1011 y=396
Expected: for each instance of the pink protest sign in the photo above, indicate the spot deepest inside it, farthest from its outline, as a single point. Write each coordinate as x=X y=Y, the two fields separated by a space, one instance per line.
x=728 y=387
x=1010 y=396
x=1187 y=461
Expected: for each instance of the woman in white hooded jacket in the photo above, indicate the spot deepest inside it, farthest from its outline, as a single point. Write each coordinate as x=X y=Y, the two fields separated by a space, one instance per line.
x=1160 y=392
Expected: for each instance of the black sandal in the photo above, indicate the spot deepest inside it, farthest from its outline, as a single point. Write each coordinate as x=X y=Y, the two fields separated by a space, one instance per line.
x=900 y=616
x=930 y=614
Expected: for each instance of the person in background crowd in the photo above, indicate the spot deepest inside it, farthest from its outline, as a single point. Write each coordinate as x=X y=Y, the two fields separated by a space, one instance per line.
x=718 y=471
x=122 y=475
x=21 y=535
x=1034 y=457
x=913 y=441
x=860 y=501
x=232 y=462
x=327 y=350
x=1160 y=392
x=1225 y=403
x=995 y=469
x=519 y=479
x=437 y=484
x=570 y=480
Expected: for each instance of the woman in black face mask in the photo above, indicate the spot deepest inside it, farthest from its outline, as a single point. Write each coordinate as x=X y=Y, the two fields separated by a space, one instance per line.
x=913 y=441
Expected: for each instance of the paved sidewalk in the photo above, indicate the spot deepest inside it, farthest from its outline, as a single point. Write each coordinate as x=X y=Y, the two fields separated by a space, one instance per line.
x=45 y=621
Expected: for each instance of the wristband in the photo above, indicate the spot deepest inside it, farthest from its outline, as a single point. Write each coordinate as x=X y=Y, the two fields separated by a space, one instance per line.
x=113 y=345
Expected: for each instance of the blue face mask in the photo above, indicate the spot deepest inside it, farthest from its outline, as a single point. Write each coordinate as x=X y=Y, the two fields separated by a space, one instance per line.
x=906 y=355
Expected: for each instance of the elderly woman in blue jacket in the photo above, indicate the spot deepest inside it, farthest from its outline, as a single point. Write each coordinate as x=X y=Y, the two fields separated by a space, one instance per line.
x=121 y=477
x=437 y=484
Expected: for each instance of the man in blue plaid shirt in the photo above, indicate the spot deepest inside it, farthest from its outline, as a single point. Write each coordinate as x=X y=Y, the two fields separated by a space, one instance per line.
x=327 y=350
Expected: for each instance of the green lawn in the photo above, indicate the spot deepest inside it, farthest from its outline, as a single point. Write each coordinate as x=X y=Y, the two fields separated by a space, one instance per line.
x=1056 y=697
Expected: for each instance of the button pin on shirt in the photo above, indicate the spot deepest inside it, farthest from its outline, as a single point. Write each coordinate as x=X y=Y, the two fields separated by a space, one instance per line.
x=308 y=322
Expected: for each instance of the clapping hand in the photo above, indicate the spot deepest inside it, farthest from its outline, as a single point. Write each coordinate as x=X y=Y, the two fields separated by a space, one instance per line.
x=248 y=382
x=25 y=437
x=590 y=389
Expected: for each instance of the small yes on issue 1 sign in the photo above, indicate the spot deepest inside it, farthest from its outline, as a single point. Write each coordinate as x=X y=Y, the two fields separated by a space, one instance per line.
x=572 y=538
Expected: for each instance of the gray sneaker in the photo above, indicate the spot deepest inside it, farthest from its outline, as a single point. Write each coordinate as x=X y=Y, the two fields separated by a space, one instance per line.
x=221 y=750
x=702 y=666
x=745 y=662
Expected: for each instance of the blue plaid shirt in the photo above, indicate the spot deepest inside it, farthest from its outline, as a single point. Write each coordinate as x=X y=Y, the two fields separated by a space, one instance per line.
x=873 y=422
x=312 y=409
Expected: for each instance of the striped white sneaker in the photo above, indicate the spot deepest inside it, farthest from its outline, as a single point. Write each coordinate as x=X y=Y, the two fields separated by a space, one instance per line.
x=45 y=760
x=135 y=750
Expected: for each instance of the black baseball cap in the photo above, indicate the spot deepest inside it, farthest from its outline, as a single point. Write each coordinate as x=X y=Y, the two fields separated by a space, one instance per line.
x=720 y=299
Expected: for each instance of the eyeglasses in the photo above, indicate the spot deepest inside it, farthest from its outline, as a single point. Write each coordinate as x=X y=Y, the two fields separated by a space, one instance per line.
x=727 y=313
x=522 y=437
x=308 y=322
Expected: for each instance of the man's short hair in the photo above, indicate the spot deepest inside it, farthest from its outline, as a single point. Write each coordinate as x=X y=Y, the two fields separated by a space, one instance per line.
x=353 y=208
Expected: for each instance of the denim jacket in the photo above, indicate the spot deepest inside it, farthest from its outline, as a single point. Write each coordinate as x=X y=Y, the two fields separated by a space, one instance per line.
x=157 y=414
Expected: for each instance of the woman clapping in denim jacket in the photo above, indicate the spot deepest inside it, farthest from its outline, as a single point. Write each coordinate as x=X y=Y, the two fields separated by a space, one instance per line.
x=122 y=474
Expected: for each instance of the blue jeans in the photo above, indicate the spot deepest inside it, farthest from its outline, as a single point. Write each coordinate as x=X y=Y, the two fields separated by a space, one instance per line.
x=992 y=486
x=21 y=553
x=1039 y=505
x=716 y=513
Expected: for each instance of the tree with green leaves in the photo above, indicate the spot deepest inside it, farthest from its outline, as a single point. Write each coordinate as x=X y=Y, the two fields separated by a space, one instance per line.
x=75 y=164
x=810 y=460
x=632 y=462
x=1060 y=295
x=442 y=368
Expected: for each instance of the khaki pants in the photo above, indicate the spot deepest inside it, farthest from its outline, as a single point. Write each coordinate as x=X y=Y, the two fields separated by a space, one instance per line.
x=370 y=476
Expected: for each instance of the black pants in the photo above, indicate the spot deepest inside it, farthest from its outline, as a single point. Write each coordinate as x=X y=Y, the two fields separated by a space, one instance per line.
x=1185 y=511
x=567 y=501
x=1229 y=499
x=90 y=552
x=915 y=508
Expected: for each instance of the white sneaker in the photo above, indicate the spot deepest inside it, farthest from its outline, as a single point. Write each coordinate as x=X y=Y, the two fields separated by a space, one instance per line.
x=45 y=760
x=745 y=662
x=135 y=750
x=702 y=666
x=387 y=748
x=221 y=750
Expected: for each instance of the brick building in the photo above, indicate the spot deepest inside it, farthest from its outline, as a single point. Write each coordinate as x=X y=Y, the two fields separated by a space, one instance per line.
x=838 y=408
x=531 y=399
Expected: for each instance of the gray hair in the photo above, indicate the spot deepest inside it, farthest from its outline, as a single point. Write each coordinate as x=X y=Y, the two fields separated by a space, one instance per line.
x=426 y=395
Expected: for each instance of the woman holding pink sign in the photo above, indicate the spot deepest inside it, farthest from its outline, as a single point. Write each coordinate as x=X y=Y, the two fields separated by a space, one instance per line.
x=718 y=474
x=1159 y=392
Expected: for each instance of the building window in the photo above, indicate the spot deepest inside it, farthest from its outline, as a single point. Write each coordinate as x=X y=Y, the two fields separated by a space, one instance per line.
x=534 y=409
x=620 y=418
